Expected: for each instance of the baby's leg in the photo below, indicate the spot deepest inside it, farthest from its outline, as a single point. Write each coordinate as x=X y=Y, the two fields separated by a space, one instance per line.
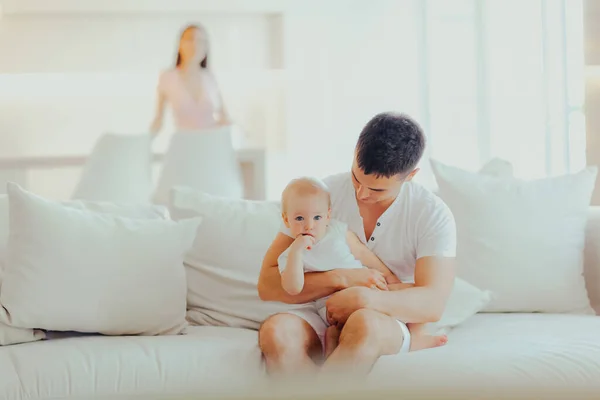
x=332 y=338
x=332 y=334
x=421 y=340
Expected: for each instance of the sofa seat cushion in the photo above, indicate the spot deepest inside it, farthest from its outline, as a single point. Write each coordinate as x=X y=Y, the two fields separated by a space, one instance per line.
x=510 y=350
x=207 y=359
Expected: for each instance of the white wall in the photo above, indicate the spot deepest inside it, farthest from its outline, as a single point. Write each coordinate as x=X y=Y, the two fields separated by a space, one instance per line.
x=303 y=77
x=112 y=42
x=291 y=79
x=82 y=74
x=67 y=78
x=345 y=64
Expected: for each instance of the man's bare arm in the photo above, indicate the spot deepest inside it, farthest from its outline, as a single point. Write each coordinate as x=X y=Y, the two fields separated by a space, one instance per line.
x=426 y=300
x=316 y=284
x=400 y=286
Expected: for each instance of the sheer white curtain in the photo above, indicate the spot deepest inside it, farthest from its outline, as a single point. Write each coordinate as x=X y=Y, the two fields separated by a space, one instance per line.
x=506 y=80
x=485 y=78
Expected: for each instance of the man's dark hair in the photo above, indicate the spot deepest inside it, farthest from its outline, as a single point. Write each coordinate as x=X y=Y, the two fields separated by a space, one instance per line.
x=390 y=144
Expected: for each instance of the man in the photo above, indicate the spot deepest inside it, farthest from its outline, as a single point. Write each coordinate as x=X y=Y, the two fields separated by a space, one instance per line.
x=409 y=228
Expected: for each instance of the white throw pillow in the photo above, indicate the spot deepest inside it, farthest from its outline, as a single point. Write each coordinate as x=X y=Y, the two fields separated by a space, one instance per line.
x=192 y=158
x=591 y=270
x=142 y=211
x=9 y=334
x=224 y=264
x=119 y=169
x=70 y=269
x=3 y=229
x=522 y=240
x=498 y=167
x=465 y=301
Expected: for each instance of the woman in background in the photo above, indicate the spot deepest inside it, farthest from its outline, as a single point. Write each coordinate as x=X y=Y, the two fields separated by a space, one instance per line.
x=190 y=87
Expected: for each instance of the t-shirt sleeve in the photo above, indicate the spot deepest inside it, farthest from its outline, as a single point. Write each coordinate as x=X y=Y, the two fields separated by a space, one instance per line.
x=163 y=82
x=282 y=260
x=329 y=180
x=284 y=229
x=436 y=232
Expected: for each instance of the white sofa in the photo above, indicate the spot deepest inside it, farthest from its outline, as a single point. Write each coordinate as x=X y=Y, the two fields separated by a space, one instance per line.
x=493 y=350
x=488 y=351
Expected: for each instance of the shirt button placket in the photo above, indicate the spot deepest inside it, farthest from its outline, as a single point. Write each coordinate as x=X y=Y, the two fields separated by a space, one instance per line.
x=373 y=237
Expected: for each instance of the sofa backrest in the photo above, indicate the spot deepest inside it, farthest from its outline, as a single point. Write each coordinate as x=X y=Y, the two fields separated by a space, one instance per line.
x=592 y=258
x=591 y=255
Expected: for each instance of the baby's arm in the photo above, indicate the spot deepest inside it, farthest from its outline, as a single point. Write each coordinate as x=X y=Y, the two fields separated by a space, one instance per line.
x=291 y=265
x=368 y=258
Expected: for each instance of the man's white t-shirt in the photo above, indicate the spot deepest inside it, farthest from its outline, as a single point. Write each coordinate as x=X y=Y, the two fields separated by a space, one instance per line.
x=418 y=224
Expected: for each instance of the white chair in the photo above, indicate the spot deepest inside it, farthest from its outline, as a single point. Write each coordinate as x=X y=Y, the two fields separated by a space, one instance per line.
x=203 y=160
x=118 y=170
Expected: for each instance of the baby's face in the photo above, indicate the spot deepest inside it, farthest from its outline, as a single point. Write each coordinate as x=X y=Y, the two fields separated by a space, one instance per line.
x=307 y=215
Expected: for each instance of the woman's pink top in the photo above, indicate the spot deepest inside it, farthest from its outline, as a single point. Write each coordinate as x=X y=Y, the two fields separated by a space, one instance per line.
x=189 y=113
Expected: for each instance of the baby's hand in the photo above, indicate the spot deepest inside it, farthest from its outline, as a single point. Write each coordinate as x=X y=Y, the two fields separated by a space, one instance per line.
x=303 y=242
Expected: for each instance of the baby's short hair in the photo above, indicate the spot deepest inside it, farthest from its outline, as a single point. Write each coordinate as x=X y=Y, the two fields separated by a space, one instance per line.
x=304 y=186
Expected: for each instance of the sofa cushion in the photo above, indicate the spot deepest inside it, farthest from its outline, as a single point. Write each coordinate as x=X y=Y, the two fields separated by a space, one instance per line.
x=504 y=350
x=592 y=257
x=224 y=264
x=68 y=269
x=11 y=335
x=206 y=359
x=465 y=301
x=225 y=261
x=489 y=351
x=522 y=240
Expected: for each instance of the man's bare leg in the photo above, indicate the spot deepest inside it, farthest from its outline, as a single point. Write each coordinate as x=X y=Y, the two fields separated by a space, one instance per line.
x=289 y=344
x=366 y=336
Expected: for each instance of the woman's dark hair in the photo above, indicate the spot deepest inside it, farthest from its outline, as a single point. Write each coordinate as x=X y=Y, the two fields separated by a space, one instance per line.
x=204 y=62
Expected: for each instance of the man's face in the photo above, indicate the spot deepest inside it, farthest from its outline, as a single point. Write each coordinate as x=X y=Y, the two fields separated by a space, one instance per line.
x=371 y=190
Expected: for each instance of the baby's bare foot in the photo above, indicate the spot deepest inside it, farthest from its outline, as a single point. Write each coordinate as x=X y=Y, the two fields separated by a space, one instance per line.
x=422 y=342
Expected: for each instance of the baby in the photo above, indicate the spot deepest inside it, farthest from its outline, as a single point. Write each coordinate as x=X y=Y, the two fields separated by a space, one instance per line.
x=322 y=244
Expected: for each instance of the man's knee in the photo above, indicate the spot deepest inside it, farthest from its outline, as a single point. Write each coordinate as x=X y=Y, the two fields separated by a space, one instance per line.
x=283 y=333
x=361 y=326
x=373 y=331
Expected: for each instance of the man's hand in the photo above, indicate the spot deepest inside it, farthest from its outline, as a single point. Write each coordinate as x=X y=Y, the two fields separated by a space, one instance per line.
x=343 y=303
x=365 y=277
x=421 y=302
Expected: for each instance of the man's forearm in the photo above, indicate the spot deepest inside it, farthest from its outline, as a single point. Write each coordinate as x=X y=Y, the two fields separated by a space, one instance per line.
x=316 y=286
x=400 y=286
x=409 y=304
